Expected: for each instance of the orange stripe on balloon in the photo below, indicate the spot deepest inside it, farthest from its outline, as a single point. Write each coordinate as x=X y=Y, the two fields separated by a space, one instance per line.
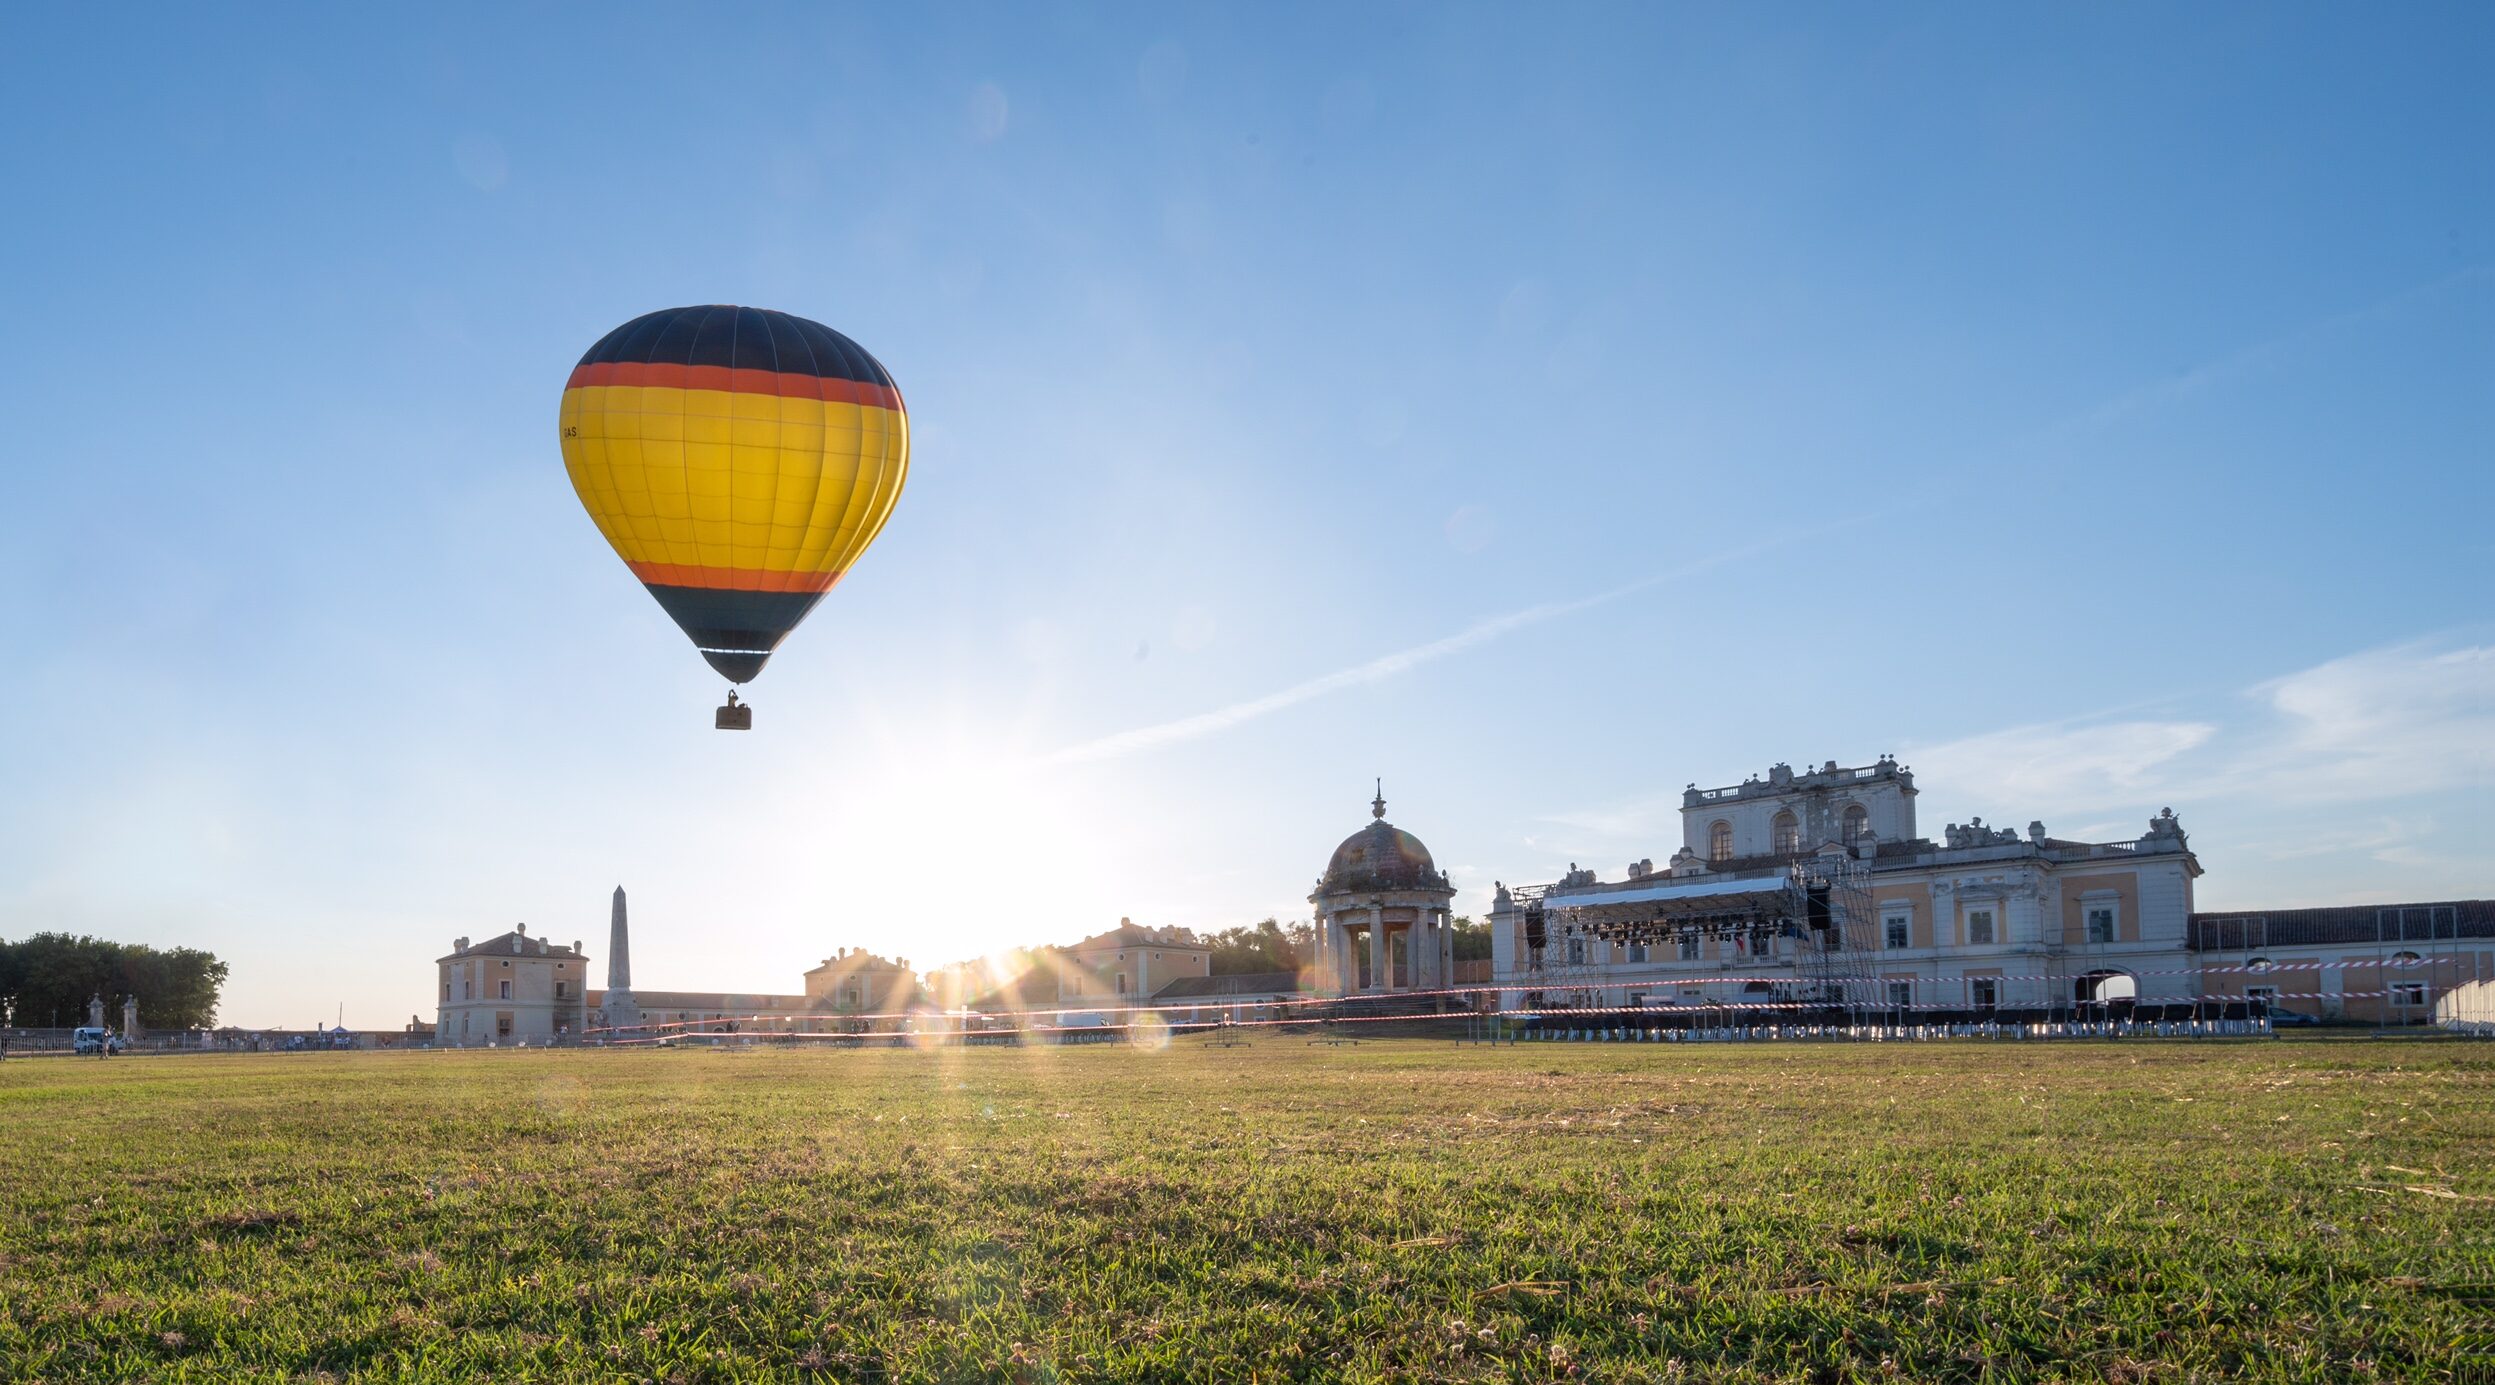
x=787 y=384
x=735 y=579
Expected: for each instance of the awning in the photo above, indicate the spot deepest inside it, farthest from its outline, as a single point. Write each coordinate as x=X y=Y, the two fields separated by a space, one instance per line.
x=1710 y=890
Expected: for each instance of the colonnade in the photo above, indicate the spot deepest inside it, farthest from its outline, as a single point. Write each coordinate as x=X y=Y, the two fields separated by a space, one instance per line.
x=1350 y=935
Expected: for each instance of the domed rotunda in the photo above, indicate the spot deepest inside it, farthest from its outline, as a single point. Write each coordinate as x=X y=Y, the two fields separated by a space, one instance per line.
x=1382 y=914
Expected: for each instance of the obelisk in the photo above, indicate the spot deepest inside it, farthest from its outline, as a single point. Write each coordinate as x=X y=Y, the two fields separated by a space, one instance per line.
x=622 y=1011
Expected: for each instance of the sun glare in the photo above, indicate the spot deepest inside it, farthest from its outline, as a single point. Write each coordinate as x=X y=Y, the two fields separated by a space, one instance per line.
x=945 y=844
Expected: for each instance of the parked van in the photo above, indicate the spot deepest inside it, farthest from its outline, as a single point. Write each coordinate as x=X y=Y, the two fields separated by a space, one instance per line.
x=90 y=1040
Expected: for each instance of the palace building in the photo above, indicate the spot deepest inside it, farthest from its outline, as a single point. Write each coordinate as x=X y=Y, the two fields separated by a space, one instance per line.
x=1816 y=887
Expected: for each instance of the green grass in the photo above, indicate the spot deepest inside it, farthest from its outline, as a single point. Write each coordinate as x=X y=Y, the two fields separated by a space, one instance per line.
x=1395 y=1211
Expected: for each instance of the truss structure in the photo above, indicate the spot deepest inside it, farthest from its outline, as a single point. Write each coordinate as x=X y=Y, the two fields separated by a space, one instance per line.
x=1558 y=975
x=1812 y=928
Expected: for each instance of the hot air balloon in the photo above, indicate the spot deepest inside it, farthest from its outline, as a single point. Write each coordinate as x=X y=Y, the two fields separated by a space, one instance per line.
x=738 y=460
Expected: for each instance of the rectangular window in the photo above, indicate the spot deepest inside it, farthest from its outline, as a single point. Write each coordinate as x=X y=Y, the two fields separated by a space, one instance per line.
x=1689 y=947
x=1576 y=952
x=1979 y=927
x=2263 y=994
x=506 y=991
x=2100 y=923
x=1984 y=993
x=446 y=990
x=502 y=1024
x=559 y=988
x=2408 y=993
x=1901 y=993
x=1898 y=931
x=1637 y=952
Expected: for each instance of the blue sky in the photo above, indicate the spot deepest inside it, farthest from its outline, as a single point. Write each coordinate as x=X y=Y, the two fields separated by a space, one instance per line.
x=1542 y=410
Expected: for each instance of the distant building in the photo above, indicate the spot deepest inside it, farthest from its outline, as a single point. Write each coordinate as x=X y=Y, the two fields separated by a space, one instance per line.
x=511 y=989
x=1985 y=919
x=2365 y=963
x=1382 y=914
x=660 y=1012
x=515 y=989
x=857 y=982
x=1130 y=962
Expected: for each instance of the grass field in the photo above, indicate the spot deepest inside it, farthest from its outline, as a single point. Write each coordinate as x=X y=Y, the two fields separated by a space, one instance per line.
x=2298 y=1209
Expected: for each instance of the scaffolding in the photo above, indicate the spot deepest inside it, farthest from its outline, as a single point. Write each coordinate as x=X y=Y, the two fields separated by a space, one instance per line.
x=1841 y=934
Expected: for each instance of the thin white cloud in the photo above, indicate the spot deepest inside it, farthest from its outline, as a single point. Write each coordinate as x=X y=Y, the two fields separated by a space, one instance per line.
x=1385 y=666
x=2403 y=722
x=2263 y=355
x=2385 y=723
x=1637 y=820
x=2381 y=838
x=2062 y=768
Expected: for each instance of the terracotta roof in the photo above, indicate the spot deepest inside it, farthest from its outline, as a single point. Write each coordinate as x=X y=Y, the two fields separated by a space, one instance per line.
x=501 y=947
x=860 y=962
x=1128 y=935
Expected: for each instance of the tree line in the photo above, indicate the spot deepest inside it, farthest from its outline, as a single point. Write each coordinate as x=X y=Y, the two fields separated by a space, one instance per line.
x=47 y=978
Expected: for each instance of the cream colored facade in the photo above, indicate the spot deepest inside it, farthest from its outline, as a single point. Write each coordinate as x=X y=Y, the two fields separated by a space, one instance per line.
x=1129 y=962
x=513 y=989
x=857 y=982
x=1985 y=919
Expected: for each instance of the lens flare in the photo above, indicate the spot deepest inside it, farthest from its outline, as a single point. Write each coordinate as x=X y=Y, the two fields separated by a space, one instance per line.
x=1148 y=1031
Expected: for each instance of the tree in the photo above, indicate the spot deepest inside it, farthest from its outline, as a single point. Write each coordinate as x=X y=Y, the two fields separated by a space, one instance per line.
x=1472 y=940
x=1265 y=947
x=46 y=981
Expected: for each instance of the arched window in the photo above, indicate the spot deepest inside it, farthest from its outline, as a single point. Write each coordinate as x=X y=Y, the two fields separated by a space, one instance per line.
x=1720 y=842
x=1788 y=835
x=1857 y=823
x=2258 y=964
x=2401 y=959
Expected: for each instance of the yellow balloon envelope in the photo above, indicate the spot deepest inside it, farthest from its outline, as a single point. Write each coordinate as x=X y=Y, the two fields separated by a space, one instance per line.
x=739 y=460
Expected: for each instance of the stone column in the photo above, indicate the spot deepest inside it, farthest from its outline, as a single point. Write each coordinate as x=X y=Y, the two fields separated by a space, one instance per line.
x=1446 y=948
x=1382 y=950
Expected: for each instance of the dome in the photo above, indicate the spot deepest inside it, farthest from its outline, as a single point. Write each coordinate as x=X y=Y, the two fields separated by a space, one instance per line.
x=1381 y=856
